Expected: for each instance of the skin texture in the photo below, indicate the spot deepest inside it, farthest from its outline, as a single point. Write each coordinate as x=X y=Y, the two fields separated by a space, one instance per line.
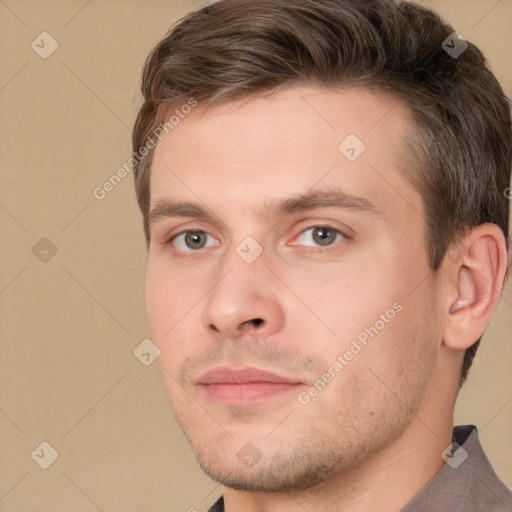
x=372 y=437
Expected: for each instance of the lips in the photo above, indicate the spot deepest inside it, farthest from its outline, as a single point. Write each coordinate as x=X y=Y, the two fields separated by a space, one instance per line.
x=227 y=375
x=244 y=386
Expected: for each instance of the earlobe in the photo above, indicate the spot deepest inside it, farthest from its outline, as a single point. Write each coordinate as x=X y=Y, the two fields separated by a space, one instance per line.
x=475 y=281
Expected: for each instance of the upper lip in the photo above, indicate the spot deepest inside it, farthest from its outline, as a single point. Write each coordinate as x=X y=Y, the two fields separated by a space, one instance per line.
x=227 y=375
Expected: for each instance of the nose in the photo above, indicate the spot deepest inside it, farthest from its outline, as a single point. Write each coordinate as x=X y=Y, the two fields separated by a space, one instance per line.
x=244 y=302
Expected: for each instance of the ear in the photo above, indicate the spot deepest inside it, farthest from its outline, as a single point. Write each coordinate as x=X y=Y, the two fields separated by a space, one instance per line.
x=475 y=271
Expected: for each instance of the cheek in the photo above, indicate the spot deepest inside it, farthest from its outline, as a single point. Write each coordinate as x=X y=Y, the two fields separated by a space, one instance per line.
x=169 y=290
x=342 y=304
x=390 y=370
x=377 y=322
x=167 y=302
x=405 y=351
x=158 y=300
x=173 y=305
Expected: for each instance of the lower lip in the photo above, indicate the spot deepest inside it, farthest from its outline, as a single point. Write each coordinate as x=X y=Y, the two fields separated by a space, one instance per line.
x=249 y=393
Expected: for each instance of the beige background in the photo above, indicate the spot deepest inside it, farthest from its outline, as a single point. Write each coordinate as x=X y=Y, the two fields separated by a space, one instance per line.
x=69 y=325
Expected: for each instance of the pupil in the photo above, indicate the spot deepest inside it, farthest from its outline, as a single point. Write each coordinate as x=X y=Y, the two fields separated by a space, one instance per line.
x=324 y=236
x=195 y=240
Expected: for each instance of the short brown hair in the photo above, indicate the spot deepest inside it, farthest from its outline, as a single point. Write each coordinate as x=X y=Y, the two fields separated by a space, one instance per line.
x=460 y=154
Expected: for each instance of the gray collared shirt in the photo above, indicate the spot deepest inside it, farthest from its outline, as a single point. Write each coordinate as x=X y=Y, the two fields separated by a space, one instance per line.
x=466 y=483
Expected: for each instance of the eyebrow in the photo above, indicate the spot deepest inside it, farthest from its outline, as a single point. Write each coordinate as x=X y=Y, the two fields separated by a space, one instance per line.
x=165 y=208
x=320 y=199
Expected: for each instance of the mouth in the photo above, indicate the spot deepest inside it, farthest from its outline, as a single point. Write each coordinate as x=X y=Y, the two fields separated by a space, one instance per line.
x=244 y=386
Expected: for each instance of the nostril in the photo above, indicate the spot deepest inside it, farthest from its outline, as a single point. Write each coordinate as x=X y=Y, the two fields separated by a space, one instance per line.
x=257 y=321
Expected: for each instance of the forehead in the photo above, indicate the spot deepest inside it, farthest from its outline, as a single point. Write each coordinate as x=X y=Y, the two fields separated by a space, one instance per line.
x=290 y=142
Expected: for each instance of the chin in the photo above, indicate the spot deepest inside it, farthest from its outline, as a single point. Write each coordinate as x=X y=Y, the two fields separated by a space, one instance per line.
x=275 y=473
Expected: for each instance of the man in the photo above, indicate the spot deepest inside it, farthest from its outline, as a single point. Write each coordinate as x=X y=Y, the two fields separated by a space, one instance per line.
x=323 y=187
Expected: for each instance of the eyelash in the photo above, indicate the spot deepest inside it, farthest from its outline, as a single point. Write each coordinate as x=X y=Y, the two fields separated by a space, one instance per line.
x=317 y=248
x=188 y=232
x=312 y=248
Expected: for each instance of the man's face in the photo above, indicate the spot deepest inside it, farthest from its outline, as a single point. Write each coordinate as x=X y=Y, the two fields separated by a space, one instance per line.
x=275 y=249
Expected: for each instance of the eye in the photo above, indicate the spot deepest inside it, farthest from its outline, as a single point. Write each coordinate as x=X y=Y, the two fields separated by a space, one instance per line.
x=322 y=236
x=193 y=241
